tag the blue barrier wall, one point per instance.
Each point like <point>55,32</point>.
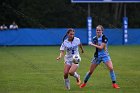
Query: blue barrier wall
<point>134,36</point>
<point>37,36</point>
<point>114,36</point>
<point>54,36</point>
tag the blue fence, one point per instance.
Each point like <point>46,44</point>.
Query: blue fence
<point>54,36</point>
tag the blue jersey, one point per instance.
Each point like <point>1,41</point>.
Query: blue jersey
<point>98,41</point>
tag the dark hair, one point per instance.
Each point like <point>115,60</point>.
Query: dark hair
<point>68,31</point>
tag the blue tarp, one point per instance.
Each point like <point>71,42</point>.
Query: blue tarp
<point>54,36</point>
<point>37,36</point>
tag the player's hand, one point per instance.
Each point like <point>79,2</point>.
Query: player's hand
<point>58,58</point>
<point>82,51</point>
<point>91,44</point>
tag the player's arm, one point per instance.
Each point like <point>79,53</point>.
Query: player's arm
<point>81,47</point>
<point>97,46</point>
<point>103,44</point>
<point>60,55</point>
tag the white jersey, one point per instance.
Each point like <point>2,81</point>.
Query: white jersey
<point>71,48</point>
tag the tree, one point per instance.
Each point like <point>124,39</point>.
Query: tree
<point>63,13</point>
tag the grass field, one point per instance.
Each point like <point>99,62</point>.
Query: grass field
<point>34,69</point>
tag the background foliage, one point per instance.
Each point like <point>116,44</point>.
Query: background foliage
<point>63,13</point>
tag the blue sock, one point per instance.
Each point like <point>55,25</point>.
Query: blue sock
<point>112,75</point>
<point>87,77</point>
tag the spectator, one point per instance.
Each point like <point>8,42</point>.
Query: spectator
<point>3,27</point>
<point>13,26</point>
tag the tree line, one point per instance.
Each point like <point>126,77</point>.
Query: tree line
<point>64,14</point>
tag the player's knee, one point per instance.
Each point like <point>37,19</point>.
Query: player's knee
<point>111,68</point>
<point>71,73</point>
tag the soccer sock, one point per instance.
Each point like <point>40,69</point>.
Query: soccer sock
<point>75,75</point>
<point>113,77</point>
<point>87,77</point>
<point>67,83</point>
<point>66,80</point>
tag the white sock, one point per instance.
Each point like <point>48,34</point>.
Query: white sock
<point>75,75</point>
<point>67,83</point>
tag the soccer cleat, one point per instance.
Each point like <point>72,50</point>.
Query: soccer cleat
<point>115,85</point>
<point>78,81</point>
<point>83,85</point>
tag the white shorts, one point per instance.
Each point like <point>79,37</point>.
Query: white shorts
<point>70,63</point>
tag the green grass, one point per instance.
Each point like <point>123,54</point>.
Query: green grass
<point>34,69</point>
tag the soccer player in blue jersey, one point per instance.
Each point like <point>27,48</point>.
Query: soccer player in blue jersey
<point>70,45</point>
<point>100,42</point>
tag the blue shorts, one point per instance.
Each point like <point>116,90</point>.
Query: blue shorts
<point>98,60</point>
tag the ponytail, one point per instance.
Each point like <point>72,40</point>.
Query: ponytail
<point>64,37</point>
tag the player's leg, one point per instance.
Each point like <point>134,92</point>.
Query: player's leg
<point>66,72</point>
<point>88,74</point>
<point>94,64</point>
<point>73,73</point>
<point>112,73</point>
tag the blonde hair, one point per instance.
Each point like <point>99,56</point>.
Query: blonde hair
<point>100,27</point>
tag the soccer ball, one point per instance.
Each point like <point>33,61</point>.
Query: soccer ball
<point>76,59</point>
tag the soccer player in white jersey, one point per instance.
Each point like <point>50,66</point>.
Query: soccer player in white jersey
<point>70,45</point>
